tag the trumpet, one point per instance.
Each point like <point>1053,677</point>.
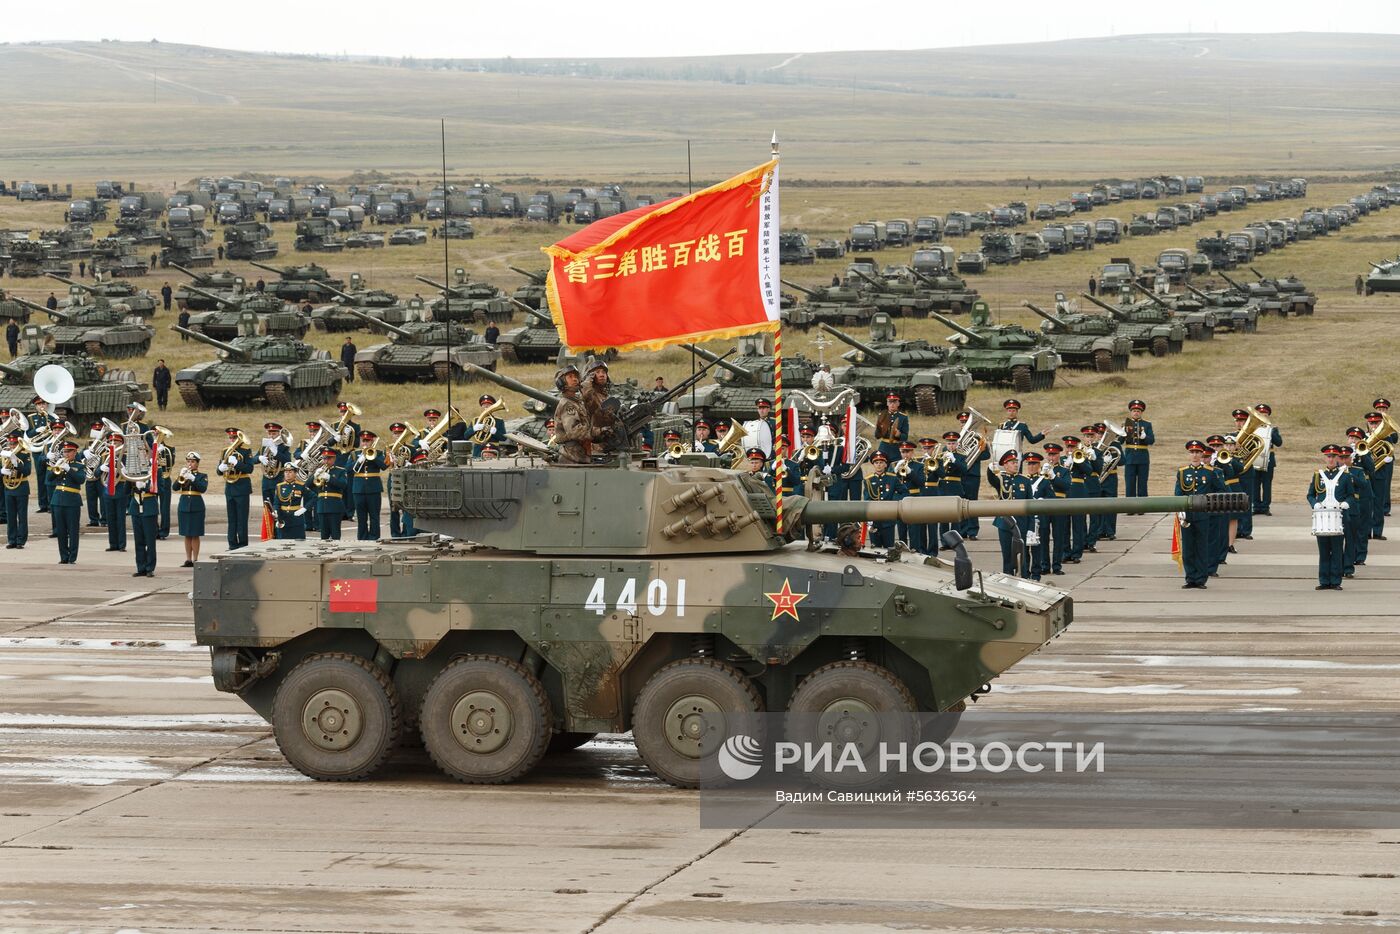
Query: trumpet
<point>811,453</point>
<point>1078,457</point>
<point>675,450</point>
<point>903,468</point>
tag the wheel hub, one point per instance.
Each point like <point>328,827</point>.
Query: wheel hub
<point>332,720</point>
<point>481,722</point>
<point>694,726</point>
<point>849,720</point>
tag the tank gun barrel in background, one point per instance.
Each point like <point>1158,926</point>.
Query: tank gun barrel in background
<point>1053,319</point>
<point>1233,284</point>
<point>538,278</point>
<point>237,353</point>
<point>1379,267</point>
<point>447,290</point>
<point>1257,272</point>
<point>1196,292</point>
<point>535,313</point>
<point>336,292</point>
<point>376,323</point>
<point>506,382</point>
<point>53,312</point>
<point>928,509</point>
<point>274,269</point>
<point>212,296</point>
<point>1116,312</point>
<point>189,272</point>
<point>954,326</point>
<point>709,357</point>
<point>1157,299</point>
<point>810,293</point>
<point>874,355</point>
<point>882,286</point>
<point>67,281</point>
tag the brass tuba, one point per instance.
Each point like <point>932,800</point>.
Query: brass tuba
<point>17,421</point>
<point>972,439</point>
<point>1375,442</point>
<point>1111,455</point>
<point>487,420</point>
<point>401,450</point>
<point>433,442</point>
<point>1253,440</point>
<point>346,445</point>
<point>310,460</point>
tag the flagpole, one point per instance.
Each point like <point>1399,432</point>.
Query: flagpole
<point>778,394</point>
<point>446,280</point>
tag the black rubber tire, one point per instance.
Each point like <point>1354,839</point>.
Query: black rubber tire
<point>926,400</point>
<point>381,719</point>
<point>1103,361</point>
<point>727,687</point>
<point>1021,378</point>
<point>1159,346</point>
<point>567,742</point>
<point>873,692</point>
<point>532,722</point>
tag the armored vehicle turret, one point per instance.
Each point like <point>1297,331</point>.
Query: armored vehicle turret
<point>222,280</point>
<point>836,304</point>
<point>99,329</point>
<point>1200,321</point>
<point>274,316</point>
<point>1003,353</point>
<point>1234,311</point>
<point>249,240</point>
<point>136,301</point>
<point>281,372</point>
<point>895,295</point>
<point>929,379</point>
<point>465,300</point>
<point>423,351</point>
<point>1293,295</point>
<point>377,303</point>
<point>741,380</point>
<point>1085,341</point>
<point>99,391</point>
<point>1151,329</point>
<point>12,309</point>
<point>537,342</point>
<point>1383,277</point>
<point>309,282</point>
<point>945,291</point>
<point>318,235</point>
<point>532,293</point>
<point>545,602</point>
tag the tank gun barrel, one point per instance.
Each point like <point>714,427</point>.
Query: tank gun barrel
<point>810,293</point>
<point>441,287</point>
<point>538,278</point>
<point>12,373</point>
<point>709,357</point>
<point>506,382</point>
<point>1233,284</point>
<point>874,355</point>
<point>535,313</point>
<point>1196,292</point>
<point>1156,299</point>
<point>869,278</point>
<point>1053,319</point>
<point>925,509</point>
<point>1379,267</point>
<point>1116,312</point>
<point>337,292</point>
<point>213,297</point>
<point>1256,272</point>
<point>954,326</point>
<point>189,272</point>
<point>237,353</point>
<point>376,323</point>
<point>32,306</point>
<point>67,281</point>
<point>279,272</point>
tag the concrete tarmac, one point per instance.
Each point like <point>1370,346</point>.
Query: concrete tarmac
<point>135,797</point>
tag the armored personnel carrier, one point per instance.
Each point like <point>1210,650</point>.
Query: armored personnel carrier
<point>423,351</point>
<point>835,304</point>
<point>1003,353</point>
<point>536,606</point>
<point>1383,277</point>
<point>464,300</point>
<point>306,283</point>
<point>744,379</point>
<point>281,372</point>
<point>931,380</point>
<point>139,302</point>
<point>1200,321</point>
<point>1234,310</point>
<point>379,304</point>
<point>275,317</point>
<point>98,329</point>
<point>1085,341</point>
<point>1151,328</point>
<point>98,391</point>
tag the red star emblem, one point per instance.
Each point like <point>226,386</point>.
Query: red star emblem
<point>785,601</point>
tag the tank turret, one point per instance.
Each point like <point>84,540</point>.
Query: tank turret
<point>233,351</point>
<point>740,374</point>
<point>952,325</point>
<point>873,355</point>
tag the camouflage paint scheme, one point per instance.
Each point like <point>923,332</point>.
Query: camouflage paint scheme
<point>930,380</point>
<point>97,390</point>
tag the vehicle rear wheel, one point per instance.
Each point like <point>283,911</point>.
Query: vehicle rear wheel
<point>685,712</point>
<point>926,400</point>
<point>336,717</point>
<point>853,703</point>
<point>1103,361</point>
<point>1021,378</point>
<point>485,720</point>
<point>1159,346</point>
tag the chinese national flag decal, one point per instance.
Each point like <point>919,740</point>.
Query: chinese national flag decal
<point>354,596</point>
<point>696,268</point>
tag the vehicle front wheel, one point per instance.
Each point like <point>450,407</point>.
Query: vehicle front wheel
<point>684,714</point>
<point>485,720</point>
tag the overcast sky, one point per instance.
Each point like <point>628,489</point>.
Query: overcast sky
<point>553,29</point>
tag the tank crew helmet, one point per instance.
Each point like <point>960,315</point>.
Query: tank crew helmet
<point>562,372</point>
<point>595,363</point>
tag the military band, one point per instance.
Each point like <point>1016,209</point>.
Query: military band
<point>16,468</point>
<point>190,485</point>
<point>1330,495</point>
<point>1137,449</point>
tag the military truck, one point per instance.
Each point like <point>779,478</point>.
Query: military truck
<point>899,232</point>
<point>87,210</point>
<point>1108,230</point>
<point>99,392</point>
<point>1033,246</point>
<point>308,282</point>
<point>249,240</point>
<point>1151,328</point>
<point>868,235</point>
<point>842,304</point>
<point>423,351</point>
<point>928,229</point>
<point>1005,353</point>
<point>318,235</point>
<point>280,372</point>
<point>99,328</point>
<point>274,317</point>
<point>466,300</point>
<point>930,380</point>
<point>148,204</point>
<point>742,380</point>
<point>1085,341</point>
<point>795,249</point>
<point>513,623</point>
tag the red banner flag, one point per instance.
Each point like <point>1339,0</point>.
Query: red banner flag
<point>349,596</point>
<point>696,268</point>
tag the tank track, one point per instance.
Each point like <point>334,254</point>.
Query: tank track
<point>365,372</point>
<point>190,395</point>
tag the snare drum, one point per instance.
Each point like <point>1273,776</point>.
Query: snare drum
<point>1003,440</point>
<point>1327,520</point>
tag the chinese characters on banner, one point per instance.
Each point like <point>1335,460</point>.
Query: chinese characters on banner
<point>696,268</point>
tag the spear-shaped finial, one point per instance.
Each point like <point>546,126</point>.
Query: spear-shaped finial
<point>775,144</point>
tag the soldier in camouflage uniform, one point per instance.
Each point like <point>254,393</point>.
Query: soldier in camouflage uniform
<point>573,429</point>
